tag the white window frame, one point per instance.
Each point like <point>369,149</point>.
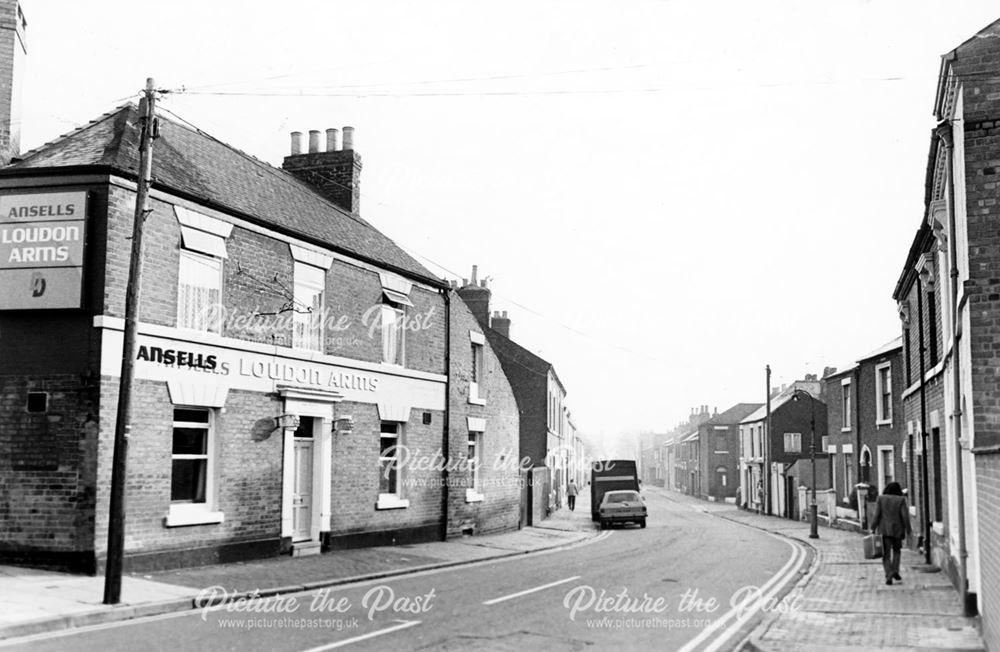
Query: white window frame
<point>307,323</point>
<point>395,499</point>
<point>796,439</point>
<point>204,512</point>
<point>473,494</point>
<point>880,417</point>
<point>880,450</point>
<point>846,404</point>
<point>200,259</point>
<point>478,343</point>
<point>398,316</point>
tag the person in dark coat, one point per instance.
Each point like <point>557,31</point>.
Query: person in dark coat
<point>892,520</point>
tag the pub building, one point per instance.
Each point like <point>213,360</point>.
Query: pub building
<point>288,356</point>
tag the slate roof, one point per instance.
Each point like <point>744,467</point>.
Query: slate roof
<point>896,343</point>
<point>189,162</point>
<point>734,414</point>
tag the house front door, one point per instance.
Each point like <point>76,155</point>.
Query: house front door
<point>302,495</point>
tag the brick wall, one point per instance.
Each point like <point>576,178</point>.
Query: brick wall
<point>46,489</point>
<point>248,472</point>
<point>355,476</point>
<point>988,506</point>
<point>499,475</point>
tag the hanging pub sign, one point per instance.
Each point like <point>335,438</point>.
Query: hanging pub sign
<point>41,250</point>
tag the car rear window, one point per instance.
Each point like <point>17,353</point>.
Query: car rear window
<point>628,497</point>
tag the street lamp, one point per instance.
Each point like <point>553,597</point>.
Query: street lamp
<point>813,514</point>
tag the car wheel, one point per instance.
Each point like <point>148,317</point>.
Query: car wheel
<point>642,522</point>
<point>604,525</point>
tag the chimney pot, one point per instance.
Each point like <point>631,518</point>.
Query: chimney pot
<point>505,314</point>
<point>482,283</point>
<point>348,137</point>
<point>313,141</point>
<point>332,140</point>
<point>296,142</point>
<point>475,270</point>
<point>465,282</point>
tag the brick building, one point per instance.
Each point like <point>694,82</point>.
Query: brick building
<point>868,440</point>
<point>291,370</point>
<point>545,446</point>
<point>950,312</point>
<point>719,452</point>
<point>796,413</point>
<point>485,493</point>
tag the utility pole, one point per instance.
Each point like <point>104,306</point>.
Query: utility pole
<point>123,426</point>
<point>766,445</point>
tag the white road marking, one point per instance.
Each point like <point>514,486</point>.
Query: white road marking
<point>534,590</point>
<point>767,592</point>
<point>403,624</point>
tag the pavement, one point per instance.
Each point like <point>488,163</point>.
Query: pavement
<point>34,601</point>
<point>844,604</point>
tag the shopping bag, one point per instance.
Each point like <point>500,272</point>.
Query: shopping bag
<point>873,546</point>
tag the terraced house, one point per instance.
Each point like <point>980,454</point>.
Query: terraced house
<point>293,362</point>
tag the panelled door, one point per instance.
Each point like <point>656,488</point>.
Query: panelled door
<point>302,494</point>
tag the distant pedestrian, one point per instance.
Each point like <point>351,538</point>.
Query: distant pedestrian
<point>760,497</point>
<point>571,493</point>
<point>892,520</point>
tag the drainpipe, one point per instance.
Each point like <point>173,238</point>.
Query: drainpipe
<point>446,452</point>
<point>945,134</point>
<point>925,502</point>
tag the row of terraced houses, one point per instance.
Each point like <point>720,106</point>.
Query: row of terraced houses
<point>924,408</point>
<point>302,384</point>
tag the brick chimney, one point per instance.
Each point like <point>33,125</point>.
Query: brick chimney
<point>501,323</point>
<point>12,54</point>
<point>334,172</point>
<point>477,296</point>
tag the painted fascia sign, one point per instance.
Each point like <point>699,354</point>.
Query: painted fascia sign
<point>41,250</point>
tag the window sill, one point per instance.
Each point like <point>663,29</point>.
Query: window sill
<point>473,496</point>
<point>391,501</point>
<point>477,401</point>
<point>879,424</point>
<point>846,429</point>
<point>183,516</point>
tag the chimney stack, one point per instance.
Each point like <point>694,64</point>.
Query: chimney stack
<point>476,297</point>
<point>501,323</point>
<point>335,173</point>
<point>12,44</point>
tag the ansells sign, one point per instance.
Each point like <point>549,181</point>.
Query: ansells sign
<point>42,240</point>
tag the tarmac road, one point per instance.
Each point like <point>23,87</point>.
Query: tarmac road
<point>670,586</point>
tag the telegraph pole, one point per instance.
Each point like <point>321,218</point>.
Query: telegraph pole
<point>766,446</point>
<point>123,426</point>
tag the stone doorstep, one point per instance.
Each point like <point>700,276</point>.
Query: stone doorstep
<point>306,548</point>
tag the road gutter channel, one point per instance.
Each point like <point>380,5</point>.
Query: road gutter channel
<point>11,634</point>
<point>748,642</point>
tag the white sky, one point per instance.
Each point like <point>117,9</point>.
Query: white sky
<point>666,195</point>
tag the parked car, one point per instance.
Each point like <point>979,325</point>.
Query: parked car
<point>622,507</point>
<point>610,475</point>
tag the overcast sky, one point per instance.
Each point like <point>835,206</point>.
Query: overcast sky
<point>666,195</point>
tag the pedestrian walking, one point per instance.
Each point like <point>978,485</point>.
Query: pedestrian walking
<point>571,493</point>
<point>892,520</point>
